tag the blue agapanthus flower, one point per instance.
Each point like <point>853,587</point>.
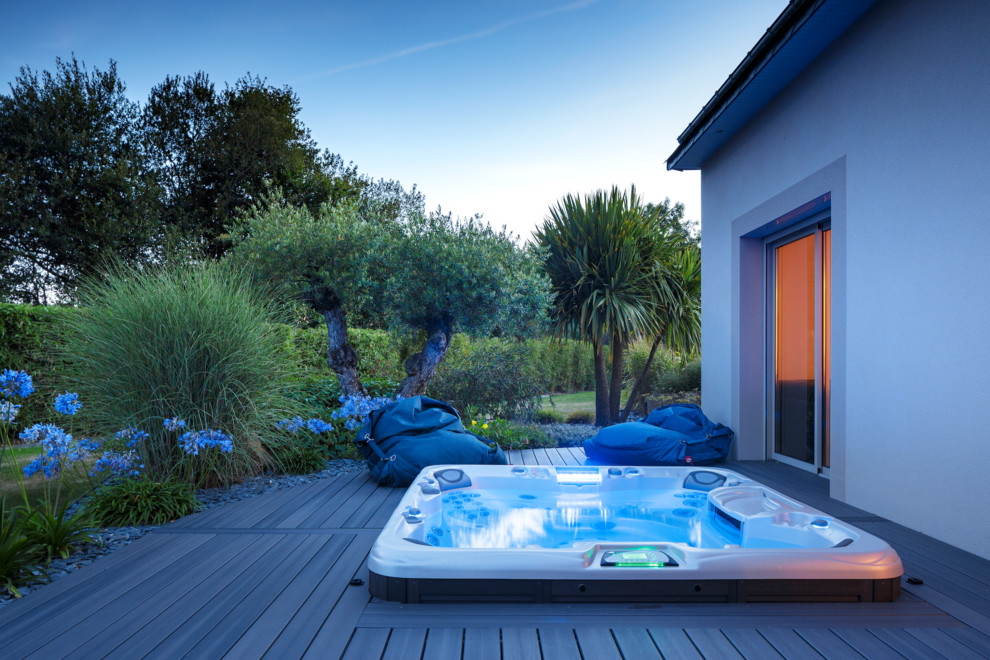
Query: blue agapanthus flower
<point>193,442</point>
<point>317,425</point>
<point>356,407</point>
<point>15,383</point>
<point>174,424</point>
<point>291,425</point>
<point>8,411</point>
<point>122,464</point>
<point>132,436</point>
<point>58,450</point>
<point>68,403</point>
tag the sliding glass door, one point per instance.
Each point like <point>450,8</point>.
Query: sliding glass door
<point>799,342</point>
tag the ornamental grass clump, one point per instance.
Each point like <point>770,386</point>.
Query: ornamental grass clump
<point>192,342</point>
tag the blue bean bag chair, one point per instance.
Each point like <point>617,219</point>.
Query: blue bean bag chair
<point>400,439</point>
<point>678,434</point>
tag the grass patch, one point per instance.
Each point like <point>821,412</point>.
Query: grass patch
<point>75,483</point>
<point>565,404</point>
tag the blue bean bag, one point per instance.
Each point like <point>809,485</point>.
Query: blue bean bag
<point>678,434</point>
<point>400,439</point>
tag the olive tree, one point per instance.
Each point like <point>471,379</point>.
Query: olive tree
<point>431,275</point>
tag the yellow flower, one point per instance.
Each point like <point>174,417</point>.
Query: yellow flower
<point>484,426</point>
<point>474,423</point>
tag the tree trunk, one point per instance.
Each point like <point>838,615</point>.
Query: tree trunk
<point>341,357</point>
<point>639,381</point>
<point>602,417</point>
<point>615,391</point>
<point>420,367</point>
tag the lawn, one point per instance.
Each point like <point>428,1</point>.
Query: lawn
<point>74,484</point>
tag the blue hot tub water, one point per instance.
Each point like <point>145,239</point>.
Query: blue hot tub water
<point>479,518</point>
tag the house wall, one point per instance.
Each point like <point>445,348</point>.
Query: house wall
<point>891,121</point>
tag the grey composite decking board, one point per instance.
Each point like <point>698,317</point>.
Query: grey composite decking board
<point>712,644</point>
<point>288,507</point>
<point>88,621</point>
<point>444,643</point>
<point>366,644</point>
<point>866,644</point>
<point>674,643</point>
<point>635,644</point>
<point>345,507</point>
<point>905,644</point>
<point>324,581</point>
<point>328,641</point>
<point>751,644</point>
<point>380,517</point>
<point>721,615</point>
<point>406,643</point>
<point>316,501</point>
<point>558,643</point>
<point>482,644</point>
<point>788,643</point>
<point>945,644</point>
<point>138,616</point>
<point>259,618</point>
<point>597,643</point>
<point>521,644</point>
<point>827,643</point>
<point>197,609</point>
<point>971,638</point>
<point>17,630</point>
<point>367,509</point>
<point>245,512</point>
<point>324,600</point>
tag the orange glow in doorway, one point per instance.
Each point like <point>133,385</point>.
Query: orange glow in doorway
<point>826,342</point>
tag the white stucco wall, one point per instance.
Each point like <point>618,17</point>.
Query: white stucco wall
<point>892,120</point>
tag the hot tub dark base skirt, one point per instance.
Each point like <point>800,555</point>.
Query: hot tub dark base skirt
<point>414,590</point>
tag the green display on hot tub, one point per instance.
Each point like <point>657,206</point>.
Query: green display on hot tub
<point>637,558</point>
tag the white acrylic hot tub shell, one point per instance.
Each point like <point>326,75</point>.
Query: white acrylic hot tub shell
<point>865,557</point>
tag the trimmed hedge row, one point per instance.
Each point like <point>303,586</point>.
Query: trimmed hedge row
<point>486,369</point>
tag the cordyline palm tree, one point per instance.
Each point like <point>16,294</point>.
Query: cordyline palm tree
<point>609,261</point>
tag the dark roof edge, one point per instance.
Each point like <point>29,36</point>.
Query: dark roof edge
<point>793,16</point>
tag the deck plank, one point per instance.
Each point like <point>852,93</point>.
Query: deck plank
<point>559,644</point>
<point>521,644</point>
<point>712,644</point>
<point>751,644</point>
<point>787,642</point>
<point>366,643</point>
<point>945,644</point>
<point>597,643</point>
<point>674,643</point>
<point>866,644</point>
<point>444,643</point>
<point>482,644</point>
<point>906,644</point>
<point>405,643</point>
<point>827,643</point>
<point>635,644</point>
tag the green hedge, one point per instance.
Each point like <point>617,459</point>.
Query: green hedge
<point>28,336</point>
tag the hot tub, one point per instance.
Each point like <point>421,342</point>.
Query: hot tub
<point>651,534</point>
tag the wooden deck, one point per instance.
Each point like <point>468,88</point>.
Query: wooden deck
<point>270,577</point>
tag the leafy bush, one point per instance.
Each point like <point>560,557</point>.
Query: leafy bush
<point>510,435</point>
<point>18,550</point>
<point>635,359</point>
<point>378,352</point>
<point>581,417</point>
<point>29,339</point>
<point>194,342</point>
<point>548,416</point>
<point>685,376</point>
<point>567,366</point>
<point>133,502</point>
<point>299,457</point>
<point>497,377</point>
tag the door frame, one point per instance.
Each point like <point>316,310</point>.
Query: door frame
<point>814,225</point>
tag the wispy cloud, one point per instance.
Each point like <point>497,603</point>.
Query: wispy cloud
<point>405,52</point>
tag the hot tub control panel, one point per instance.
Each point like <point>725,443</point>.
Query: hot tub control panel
<point>637,558</point>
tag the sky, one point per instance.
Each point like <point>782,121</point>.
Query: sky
<point>498,107</point>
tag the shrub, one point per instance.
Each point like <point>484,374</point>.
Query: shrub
<point>581,417</point>
<point>548,416</point>
<point>379,356</point>
<point>510,435</point>
<point>18,550</point>
<point>194,342</point>
<point>499,378</point>
<point>135,502</point>
<point>299,457</point>
<point>635,359</point>
<point>684,377</point>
